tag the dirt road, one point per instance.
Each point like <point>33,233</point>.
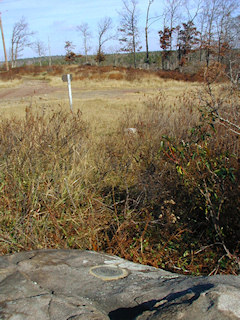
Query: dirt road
<point>26,89</point>
<point>33,88</point>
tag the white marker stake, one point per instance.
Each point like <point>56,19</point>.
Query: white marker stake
<point>69,91</point>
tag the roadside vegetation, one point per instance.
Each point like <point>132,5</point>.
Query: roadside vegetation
<point>164,194</point>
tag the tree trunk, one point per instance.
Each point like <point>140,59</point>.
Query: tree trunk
<point>134,52</point>
<point>146,31</point>
<point>147,53</point>
<point>85,49</point>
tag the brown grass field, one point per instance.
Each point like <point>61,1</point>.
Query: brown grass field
<point>166,195</point>
<point>96,92</point>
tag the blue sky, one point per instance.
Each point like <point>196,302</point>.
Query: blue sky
<point>57,20</point>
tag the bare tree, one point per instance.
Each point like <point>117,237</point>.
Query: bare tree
<point>235,31</point>
<point>192,9</point>
<point>223,26</point>
<point>40,49</point>
<point>104,26</point>
<point>20,39</point>
<point>231,56</point>
<point>172,15</point>
<point>171,19</point>
<point>216,17</point>
<point>201,23</point>
<point>208,18</point>
<point>85,33</point>
<point>150,2</point>
<point>129,28</point>
<point>149,22</point>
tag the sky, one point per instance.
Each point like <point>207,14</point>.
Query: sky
<point>57,20</point>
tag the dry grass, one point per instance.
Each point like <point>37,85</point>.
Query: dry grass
<point>11,84</point>
<point>82,181</point>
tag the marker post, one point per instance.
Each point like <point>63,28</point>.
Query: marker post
<point>67,78</point>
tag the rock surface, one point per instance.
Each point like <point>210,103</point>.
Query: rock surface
<point>82,285</point>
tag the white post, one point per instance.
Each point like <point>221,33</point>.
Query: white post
<point>69,91</point>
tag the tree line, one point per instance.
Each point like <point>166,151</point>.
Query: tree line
<point>211,27</point>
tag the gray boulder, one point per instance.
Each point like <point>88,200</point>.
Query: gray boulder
<point>73,284</point>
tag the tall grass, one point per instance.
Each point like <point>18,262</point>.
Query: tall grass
<point>166,195</point>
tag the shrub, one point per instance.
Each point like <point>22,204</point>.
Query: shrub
<point>179,183</point>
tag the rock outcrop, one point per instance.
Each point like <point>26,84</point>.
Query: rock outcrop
<point>82,285</point>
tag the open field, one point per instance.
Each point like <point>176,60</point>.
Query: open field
<point>166,195</point>
<point>101,97</point>
<point>110,87</point>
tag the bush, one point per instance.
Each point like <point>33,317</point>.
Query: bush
<point>175,181</point>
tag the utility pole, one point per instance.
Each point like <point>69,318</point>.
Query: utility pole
<point>4,48</point>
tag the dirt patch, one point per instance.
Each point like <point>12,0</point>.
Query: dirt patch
<point>28,88</point>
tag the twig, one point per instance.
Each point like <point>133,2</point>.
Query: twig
<point>70,196</point>
<point>205,247</point>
